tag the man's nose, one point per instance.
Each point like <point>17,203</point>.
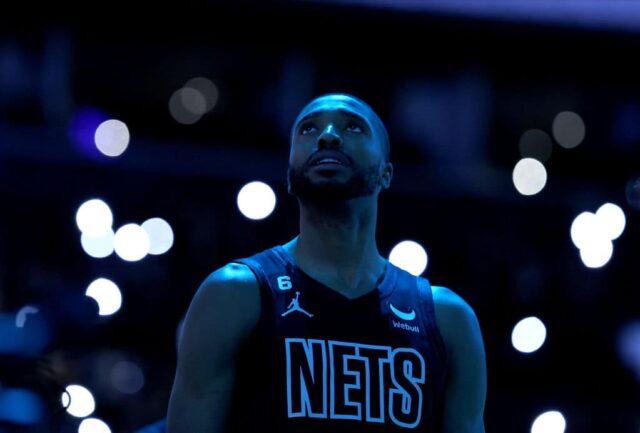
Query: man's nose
<point>329,137</point>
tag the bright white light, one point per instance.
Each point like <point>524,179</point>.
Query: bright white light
<point>568,129</point>
<point>106,294</point>
<point>112,137</point>
<point>131,242</point>
<point>127,377</point>
<point>593,234</point>
<point>612,220</point>
<point>549,422</point>
<point>160,235</point>
<point>78,401</point>
<point>528,335</point>
<point>98,247</point>
<point>94,218</point>
<point>529,176</point>
<point>597,252</point>
<point>585,230</point>
<point>256,200</point>
<point>207,89</point>
<point>410,256</point>
<point>93,425</point>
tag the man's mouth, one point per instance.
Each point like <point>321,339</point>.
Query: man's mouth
<point>329,157</point>
<point>327,161</point>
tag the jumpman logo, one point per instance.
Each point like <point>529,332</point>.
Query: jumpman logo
<point>295,306</point>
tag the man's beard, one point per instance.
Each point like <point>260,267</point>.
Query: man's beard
<point>363,182</point>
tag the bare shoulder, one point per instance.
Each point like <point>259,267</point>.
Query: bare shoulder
<point>453,314</point>
<point>229,299</point>
<point>222,314</point>
<point>234,284</point>
<point>466,384</point>
<point>449,302</point>
<point>232,276</point>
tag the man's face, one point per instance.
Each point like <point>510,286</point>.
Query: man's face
<point>337,152</point>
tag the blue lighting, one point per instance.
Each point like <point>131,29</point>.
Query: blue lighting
<point>20,406</point>
<point>23,334</point>
<point>82,129</point>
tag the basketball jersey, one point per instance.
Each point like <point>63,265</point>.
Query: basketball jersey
<point>318,361</point>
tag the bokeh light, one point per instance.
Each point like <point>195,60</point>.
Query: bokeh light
<point>597,252</point>
<point>528,335</point>
<point>98,247</point>
<point>529,176</point>
<point>160,235</point>
<point>207,89</point>
<point>78,401</point>
<point>25,333</point>
<point>593,233</point>
<point>536,144</point>
<point>127,377</point>
<point>20,406</point>
<point>94,218</point>
<point>82,129</point>
<point>549,422</point>
<point>93,425</point>
<point>193,100</point>
<point>256,200</point>
<point>628,346</point>
<point>568,129</point>
<point>131,242</point>
<point>612,220</point>
<point>410,256</point>
<point>586,230</point>
<point>180,112</point>
<point>107,294</point>
<point>112,137</point>
<point>188,104</point>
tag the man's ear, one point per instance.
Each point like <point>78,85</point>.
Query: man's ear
<point>289,180</point>
<point>387,174</point>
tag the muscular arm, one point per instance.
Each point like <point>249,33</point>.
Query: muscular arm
<point>222,313</point>
<point>466,384</point>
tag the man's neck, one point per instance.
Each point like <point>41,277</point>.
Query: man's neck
<point>338,241</point>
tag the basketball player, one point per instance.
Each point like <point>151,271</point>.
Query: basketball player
<point>323,334</point>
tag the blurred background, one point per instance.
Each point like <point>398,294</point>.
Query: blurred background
<point>142,149</point>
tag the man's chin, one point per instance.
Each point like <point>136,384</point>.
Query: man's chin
<point>324,192</point>
<point>310,189</point>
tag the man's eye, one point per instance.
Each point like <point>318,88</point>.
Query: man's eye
<point>307,128</point>
<point>354,127</point>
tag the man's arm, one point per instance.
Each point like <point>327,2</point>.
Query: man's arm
<point>466,385</point>
<point>222,313</point>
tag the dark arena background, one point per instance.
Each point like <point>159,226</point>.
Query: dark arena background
<point>127,138</point>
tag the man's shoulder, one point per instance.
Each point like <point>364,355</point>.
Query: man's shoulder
<point>229,295</point>
<point>443,297</point>
<point>451,310</point>
<point>159,426</point>
<point>447,298</point>
<point>238,275</point>
<point>231,275</point>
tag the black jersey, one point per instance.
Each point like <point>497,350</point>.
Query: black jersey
<point>318,361</point>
